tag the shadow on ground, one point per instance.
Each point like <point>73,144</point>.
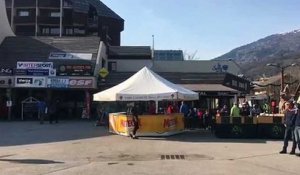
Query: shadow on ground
<point>202,136</point>
<point>31,161</point>
<point>23,133</point>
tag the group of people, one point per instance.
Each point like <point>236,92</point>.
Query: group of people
<point>292,126</point>
<point>196,118</point>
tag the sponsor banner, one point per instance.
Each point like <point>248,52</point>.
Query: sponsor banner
<point>149,125</point>
<point>34,65</point>
<point>58,83</point>
<point>6,71</point>
<point>36,72</point>
<point>75,70</point>
<point>71,56</point>
<point>6,82</point>
<point>82,82</point>
<point>34,82</point>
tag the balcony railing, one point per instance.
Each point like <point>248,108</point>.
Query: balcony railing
<point>48,20</point>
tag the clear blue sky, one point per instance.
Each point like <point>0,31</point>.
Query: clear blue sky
<point>210,27</point>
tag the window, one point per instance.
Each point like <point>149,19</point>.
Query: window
<point>69,31</point>
<point>78,31</point>
<point>45,31</point>
<point>23,13</point>
<point>54,31</point>
<point>112,66</point>
<point>55,14</point>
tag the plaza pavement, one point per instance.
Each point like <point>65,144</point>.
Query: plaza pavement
<point>78,147</point>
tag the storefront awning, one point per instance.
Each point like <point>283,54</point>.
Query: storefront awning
<point>208,87</point>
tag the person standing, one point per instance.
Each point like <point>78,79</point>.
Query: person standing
<point>235,111</point>
<point>42,110</point>
<point>297,129</point>
<point>135,119</point>
<point>289,123</point>
<point>207,120</point>
<point>184,109</point>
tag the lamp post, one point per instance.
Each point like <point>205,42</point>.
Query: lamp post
<point>282,68</point>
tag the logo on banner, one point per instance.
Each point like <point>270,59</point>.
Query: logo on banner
<point>34,65</point>
<point>75,70</point>
<point>70,56</point>
<point>24,81</point>
<point>6,71</point>
<point>58,83</point>
<point>84,83</point>
<point>35,82</point>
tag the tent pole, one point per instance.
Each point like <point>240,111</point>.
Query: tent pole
<point>156,107</point>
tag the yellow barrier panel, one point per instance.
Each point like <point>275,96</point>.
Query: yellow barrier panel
<point>150,125</point>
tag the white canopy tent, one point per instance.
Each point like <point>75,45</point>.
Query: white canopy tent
<point>146,85</point>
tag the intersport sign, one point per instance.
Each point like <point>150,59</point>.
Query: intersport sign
<point>35,65</point>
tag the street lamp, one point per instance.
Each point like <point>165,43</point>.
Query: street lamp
<point>282,68</point>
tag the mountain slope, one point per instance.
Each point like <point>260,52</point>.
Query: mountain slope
<point>279,48</point>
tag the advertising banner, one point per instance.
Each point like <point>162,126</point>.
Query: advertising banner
<point>35,72</point>
<point>34,65</point>
<point>58,83</point>
<point>75,70</point>
<point>150,125</point>
<point>82,82</point>
<point>71,56</point>
<point>31,82</point>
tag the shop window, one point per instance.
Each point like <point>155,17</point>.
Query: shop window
<point>23,13</point>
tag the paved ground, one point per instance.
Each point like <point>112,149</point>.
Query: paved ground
<point>72,148</point>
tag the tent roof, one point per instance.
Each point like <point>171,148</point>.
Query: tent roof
<point>146,85</point>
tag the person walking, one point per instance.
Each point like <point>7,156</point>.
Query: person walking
<point>289,123</point>
<point>135,119</point>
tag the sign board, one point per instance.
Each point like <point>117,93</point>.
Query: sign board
<point>34,65</point>
<point>71,56</point>
<point>36,72</point>
<point>75,70</point>
<point>58,83</point>
<point>103,72</point>
<point>6,71</point>
<point>76,82</point>
<point>33,82</point>
<point>82,82</point>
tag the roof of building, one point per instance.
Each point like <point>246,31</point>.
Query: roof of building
<point>130,51</point>
<point>178,78</point>
<point>103,10</point>
<point>208,87</point>
<point>15,49</point>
